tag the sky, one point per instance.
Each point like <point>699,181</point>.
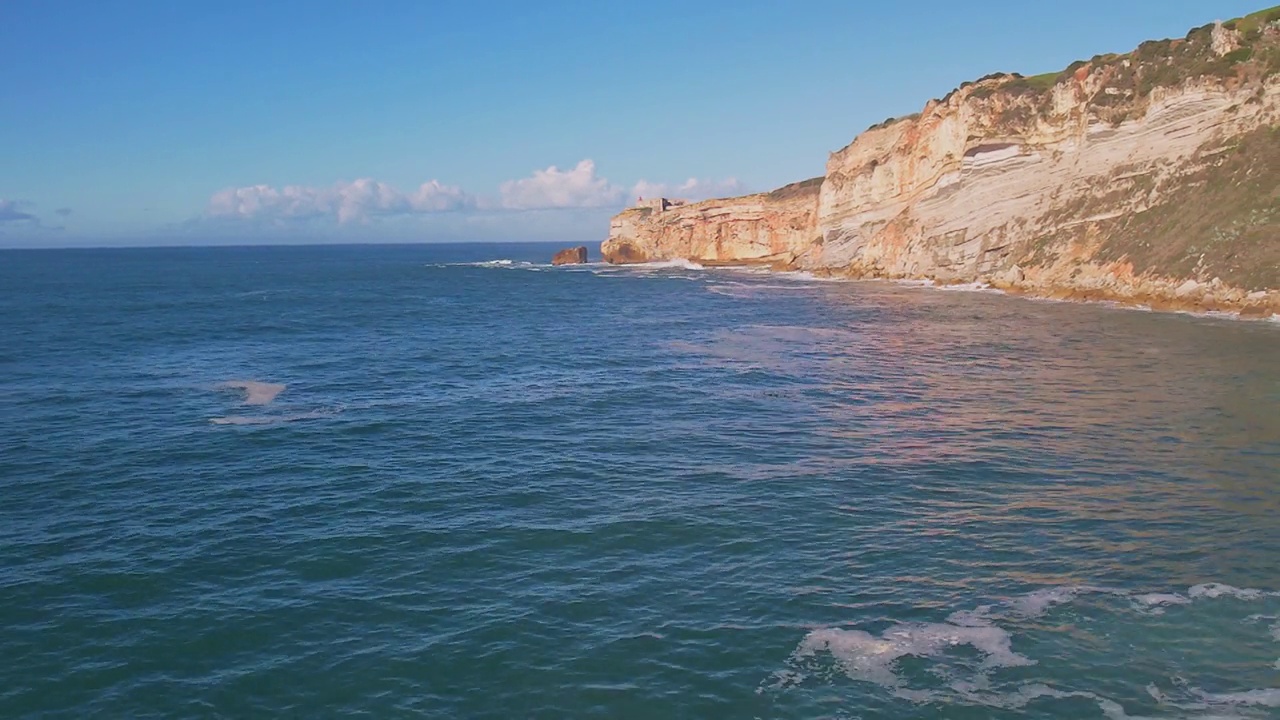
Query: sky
<point>156,122</point>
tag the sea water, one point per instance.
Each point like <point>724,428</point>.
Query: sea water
<point>453,481</point>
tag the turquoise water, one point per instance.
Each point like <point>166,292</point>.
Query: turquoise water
<point>507,490</point>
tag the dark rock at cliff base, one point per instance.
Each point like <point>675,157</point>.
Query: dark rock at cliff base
<point>570,256</point>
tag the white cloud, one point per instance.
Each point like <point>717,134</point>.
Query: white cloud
<point>346,201</point>
<point>556,188</point>
<point>360,201</point>
<point>15,211</point>
<point>691,189</point>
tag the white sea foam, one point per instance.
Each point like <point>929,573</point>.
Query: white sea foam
<point>500,263</point>
<point>980,615</point>
<point>1155,603</point>
<point>1218,590</point>
<point>871,658</point>
<point>970,287</point>
<point>678,263</point>
<point>1038,602</point>
<point>255,392</point>
<point>1267,697</point>
<point>877,659</point>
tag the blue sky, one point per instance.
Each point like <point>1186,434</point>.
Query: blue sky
<point>167,122</point>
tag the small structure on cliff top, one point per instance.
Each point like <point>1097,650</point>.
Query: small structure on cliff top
<point>659,204</point>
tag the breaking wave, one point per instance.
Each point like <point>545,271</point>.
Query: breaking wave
<point>969,287</point>
<point>498,264</point>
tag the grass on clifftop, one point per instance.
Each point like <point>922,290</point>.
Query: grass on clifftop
<point>1158,63</point>
<point>796,189</point>
<point>1252,23</point>
<point>1222,220</point>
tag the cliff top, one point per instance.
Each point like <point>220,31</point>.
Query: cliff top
<point>1243,49</point>
<point>796,190</point>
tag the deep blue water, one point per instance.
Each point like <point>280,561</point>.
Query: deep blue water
<point>507,490</point>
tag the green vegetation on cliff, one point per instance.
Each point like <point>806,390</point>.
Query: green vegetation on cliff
<point>1220,221</point>
<point>1220,218</point>
<point>1249,49</point>
<point>796,189</point>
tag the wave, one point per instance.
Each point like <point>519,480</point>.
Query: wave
<point>255,391</point>
<point>500,263</point>
<point>970,287</point>
<point>967,677</point>
<point>676,264</point>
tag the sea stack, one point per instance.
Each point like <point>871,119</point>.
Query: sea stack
<point>570,256</point>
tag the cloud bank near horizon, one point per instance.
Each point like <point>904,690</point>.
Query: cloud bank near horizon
<point>345,202</point>
<point>362,201</point>
<point>14,211</point>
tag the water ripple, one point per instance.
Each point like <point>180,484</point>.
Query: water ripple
<point>501,488</point>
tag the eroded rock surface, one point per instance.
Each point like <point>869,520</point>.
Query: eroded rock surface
<point>570,256</point>
<point>1150,177</point>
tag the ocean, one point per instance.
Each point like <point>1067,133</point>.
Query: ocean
<point>453,481</point>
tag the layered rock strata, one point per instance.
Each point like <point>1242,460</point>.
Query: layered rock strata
<point>1149,177</point>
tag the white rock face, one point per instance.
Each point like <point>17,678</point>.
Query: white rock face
<point>955,192</point>
<point>1026,184</point>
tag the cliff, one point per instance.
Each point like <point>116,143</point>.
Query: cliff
<point>1149,177</point>
<point>779,227</point>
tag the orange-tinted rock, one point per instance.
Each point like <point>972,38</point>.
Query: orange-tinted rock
<point>622,252</point>
<point>570,256</point>
<point>765,229</point>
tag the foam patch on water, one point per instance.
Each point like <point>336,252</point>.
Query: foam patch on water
<point>1218,590</point>
<point>871,658</point>
<point>806,276</point>
<point>1155,603</point>
<point>500,263</point>
<point>677,264</point>
<point>255,392</point>
<point>1268,697</point>
<point>1037,603</point>
<point>971,287</point>
<point>973,648</point>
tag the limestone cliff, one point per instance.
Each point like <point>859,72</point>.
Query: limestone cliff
<point>1152,176</point>
<point>775,227</point>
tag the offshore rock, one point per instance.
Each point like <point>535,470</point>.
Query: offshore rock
<point>570,256</point>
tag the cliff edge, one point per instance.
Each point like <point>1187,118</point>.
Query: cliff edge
<point>1150,177</point>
